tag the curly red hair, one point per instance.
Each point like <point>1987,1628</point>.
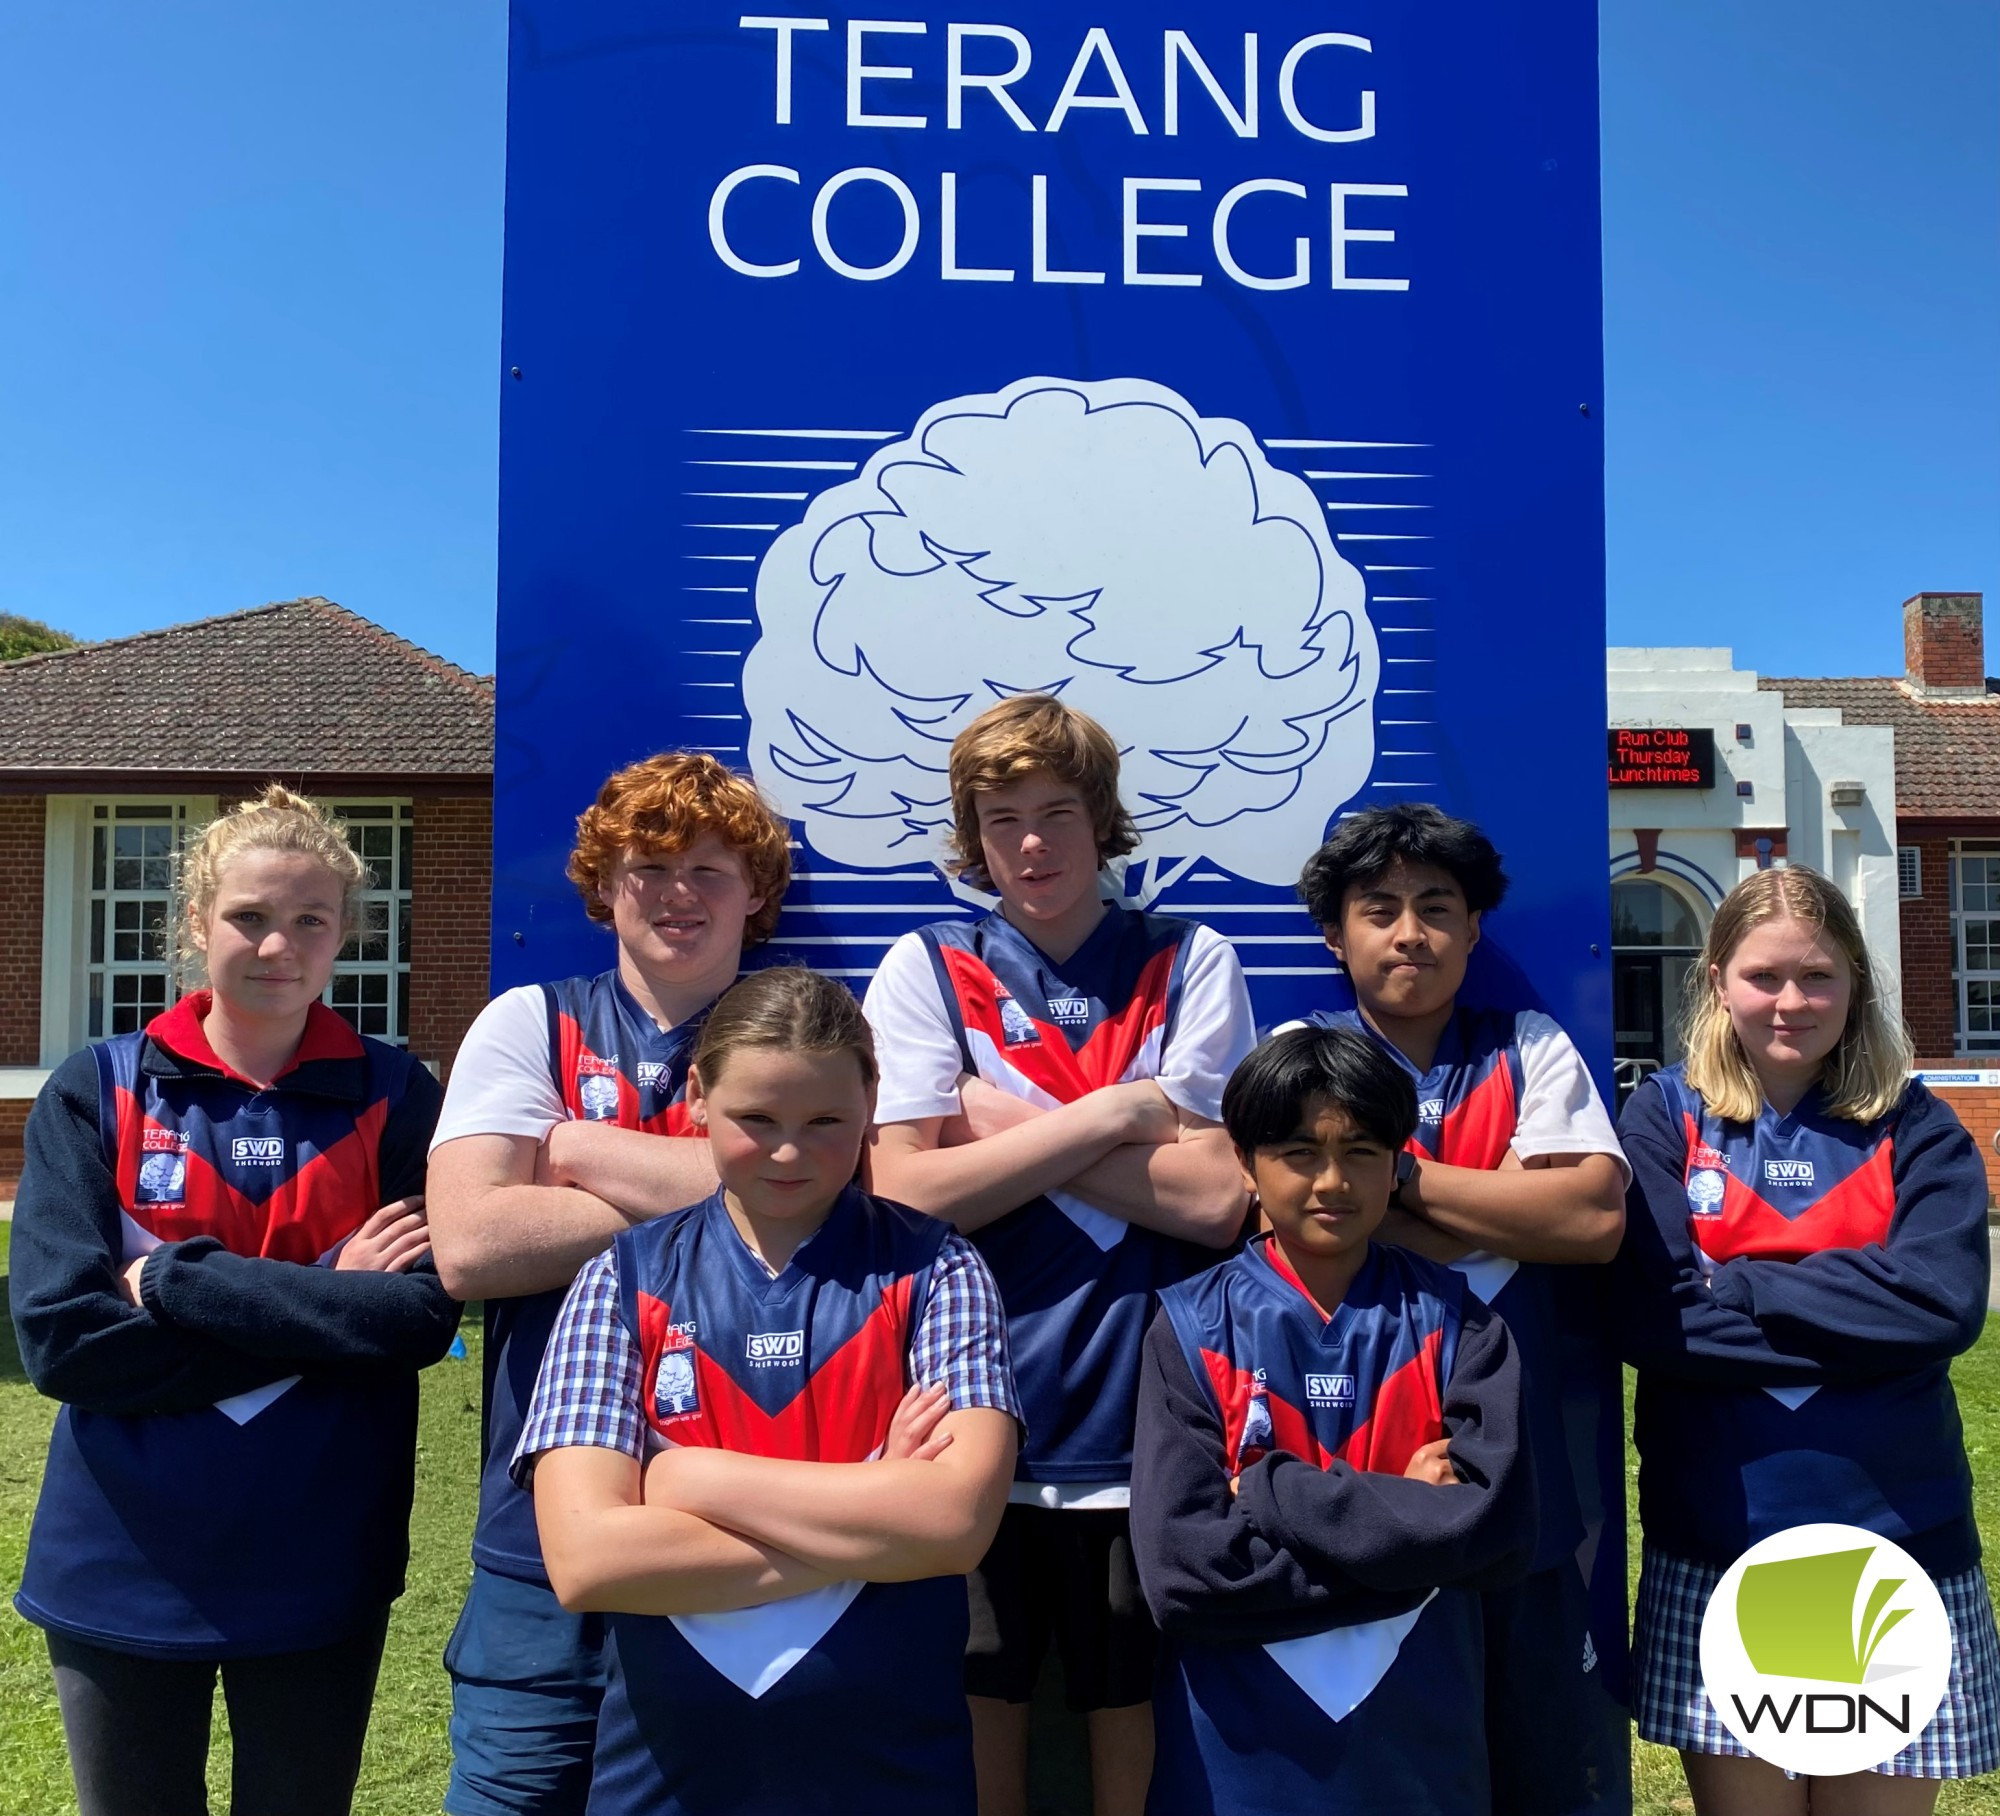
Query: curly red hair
<point>663,805</point>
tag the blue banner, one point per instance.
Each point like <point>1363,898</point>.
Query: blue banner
<point>1237,379</point>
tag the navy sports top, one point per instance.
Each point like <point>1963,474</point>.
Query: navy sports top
<point>612,1063</point>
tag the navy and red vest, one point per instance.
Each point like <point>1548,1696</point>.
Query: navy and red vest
<point>1468,1106</point>
<point>1077,1284</point>
<point>612,1063</point>
<point>1385,1714</point>
<point>278,1520</point>
<point>847,1698</point>
<point>1721,1468</point>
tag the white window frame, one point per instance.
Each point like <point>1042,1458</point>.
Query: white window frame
<point>1909,873</point>
<point>384,979</point>
<point>1964,978</point>
<point>96,962</point>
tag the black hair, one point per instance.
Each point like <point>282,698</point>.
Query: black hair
<point>1265,1100</point>
<point>1364,846</point>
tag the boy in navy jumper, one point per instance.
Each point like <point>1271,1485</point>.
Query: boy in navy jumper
<point>547,1148</point>
<point>772,1432</point>
<point>1329,1465</point>
<point>1051,1080</point>
<point>1513,1177</point>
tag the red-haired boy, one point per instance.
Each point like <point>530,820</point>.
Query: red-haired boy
<point>547,1147</point>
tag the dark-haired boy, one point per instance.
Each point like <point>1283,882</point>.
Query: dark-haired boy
<point>1052,1076</point>
<point>1514,1166</point>
<point>1329,1466</point>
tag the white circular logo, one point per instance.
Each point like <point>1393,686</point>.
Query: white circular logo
<point>1825,1649</point>
<point>1705,1192</point>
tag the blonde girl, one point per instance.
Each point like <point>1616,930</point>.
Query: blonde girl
<point>1806,1251</point>
<point>220,1267</point>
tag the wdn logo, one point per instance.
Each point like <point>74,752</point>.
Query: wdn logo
<point>1330,1390</point>
<point>1070,1011</point>
<point>1825,1650</point>
<point>1788,1172</point>
<point>1431,1110</point>
<point>774,1348</point>
<point>258,1150</point>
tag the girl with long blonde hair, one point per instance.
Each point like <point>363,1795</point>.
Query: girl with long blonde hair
<point>221,1269</point>
<point>1805,1253</point>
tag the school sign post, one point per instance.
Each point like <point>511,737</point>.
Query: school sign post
<point>1232,370</point>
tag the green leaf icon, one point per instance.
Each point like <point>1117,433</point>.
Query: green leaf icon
<point>1796,1616</point>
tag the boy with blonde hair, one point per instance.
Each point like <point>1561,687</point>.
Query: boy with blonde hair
<point>1052,1078</point>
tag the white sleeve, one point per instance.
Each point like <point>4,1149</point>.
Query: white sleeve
<point>1561,1112</point>
<point>1213,1030</point>
<point>500,1081</point>
<point>915,1047</point>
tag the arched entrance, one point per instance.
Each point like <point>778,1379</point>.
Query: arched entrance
<point>1656,936</point>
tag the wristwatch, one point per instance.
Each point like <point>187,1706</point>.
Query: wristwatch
<point>1406,1166</point>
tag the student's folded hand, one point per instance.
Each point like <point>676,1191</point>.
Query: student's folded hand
<point>1432,1463</point>
<point>392,1241</point>
<point>913,1433</point>
<point>985,1110</point>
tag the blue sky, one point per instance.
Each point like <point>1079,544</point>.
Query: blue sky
<point>249,315</point>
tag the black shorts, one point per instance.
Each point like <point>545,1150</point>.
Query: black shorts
<point>1557,1740</point>
<point>1067,1577</point>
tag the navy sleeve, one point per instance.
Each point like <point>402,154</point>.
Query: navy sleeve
<point>310,1316</point>
<point>406,1138</point>
<point>1394,1535</point>
<point>1886,1308</point>
<point>80,1341</point>
<point>1297,1550</point>
<point>1848,1314</point>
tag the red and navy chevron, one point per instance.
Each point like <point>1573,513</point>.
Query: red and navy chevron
<point>808,1366</point>
<point>1469,1101</point>
<point>1365,1388</point>
<point>1782,1188</point>
<point>1077,1286</point>
<point>612,1063</point>
<point>287,1181</point>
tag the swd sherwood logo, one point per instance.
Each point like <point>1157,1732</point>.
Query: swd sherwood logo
<point>1825,1649</point>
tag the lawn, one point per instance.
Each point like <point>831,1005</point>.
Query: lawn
<point>403,1773</point>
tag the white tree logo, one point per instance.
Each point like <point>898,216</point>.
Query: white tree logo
<point>1096,540</point>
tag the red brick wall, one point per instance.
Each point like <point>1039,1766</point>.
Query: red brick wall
<point>13,1119</point>
<point>1930,995</point>
<point>451,916</point>
<point>1978,1108</point>
<point>21,823</point>
<point>1944,640</point>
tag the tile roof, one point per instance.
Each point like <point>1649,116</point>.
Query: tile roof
<point>303,687</point>
<point>1947,750</point>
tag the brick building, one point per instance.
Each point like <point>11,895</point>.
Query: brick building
<point>1944,714</point>
<point>110,752</point>
<point>1888,783</point>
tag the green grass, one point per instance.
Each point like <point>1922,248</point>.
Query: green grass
<point>1657,1784</point>
<point>403,1773</point>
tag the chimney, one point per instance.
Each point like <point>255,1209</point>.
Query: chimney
<point>1944,643</point>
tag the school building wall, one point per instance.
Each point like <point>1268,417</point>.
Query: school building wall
<point>451,879</point>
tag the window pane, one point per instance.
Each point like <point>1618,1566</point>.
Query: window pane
<point>1649,914</point>
<point>403,840</point>
<point>96,1020</point>
<point>403,932</point>
<point>97,930</point>
<point>97,834</point>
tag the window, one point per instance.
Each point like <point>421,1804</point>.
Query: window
<point>1909,871</point>
<point>1975,921</point>
<point>371,979</point>
<point>129,973</point>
